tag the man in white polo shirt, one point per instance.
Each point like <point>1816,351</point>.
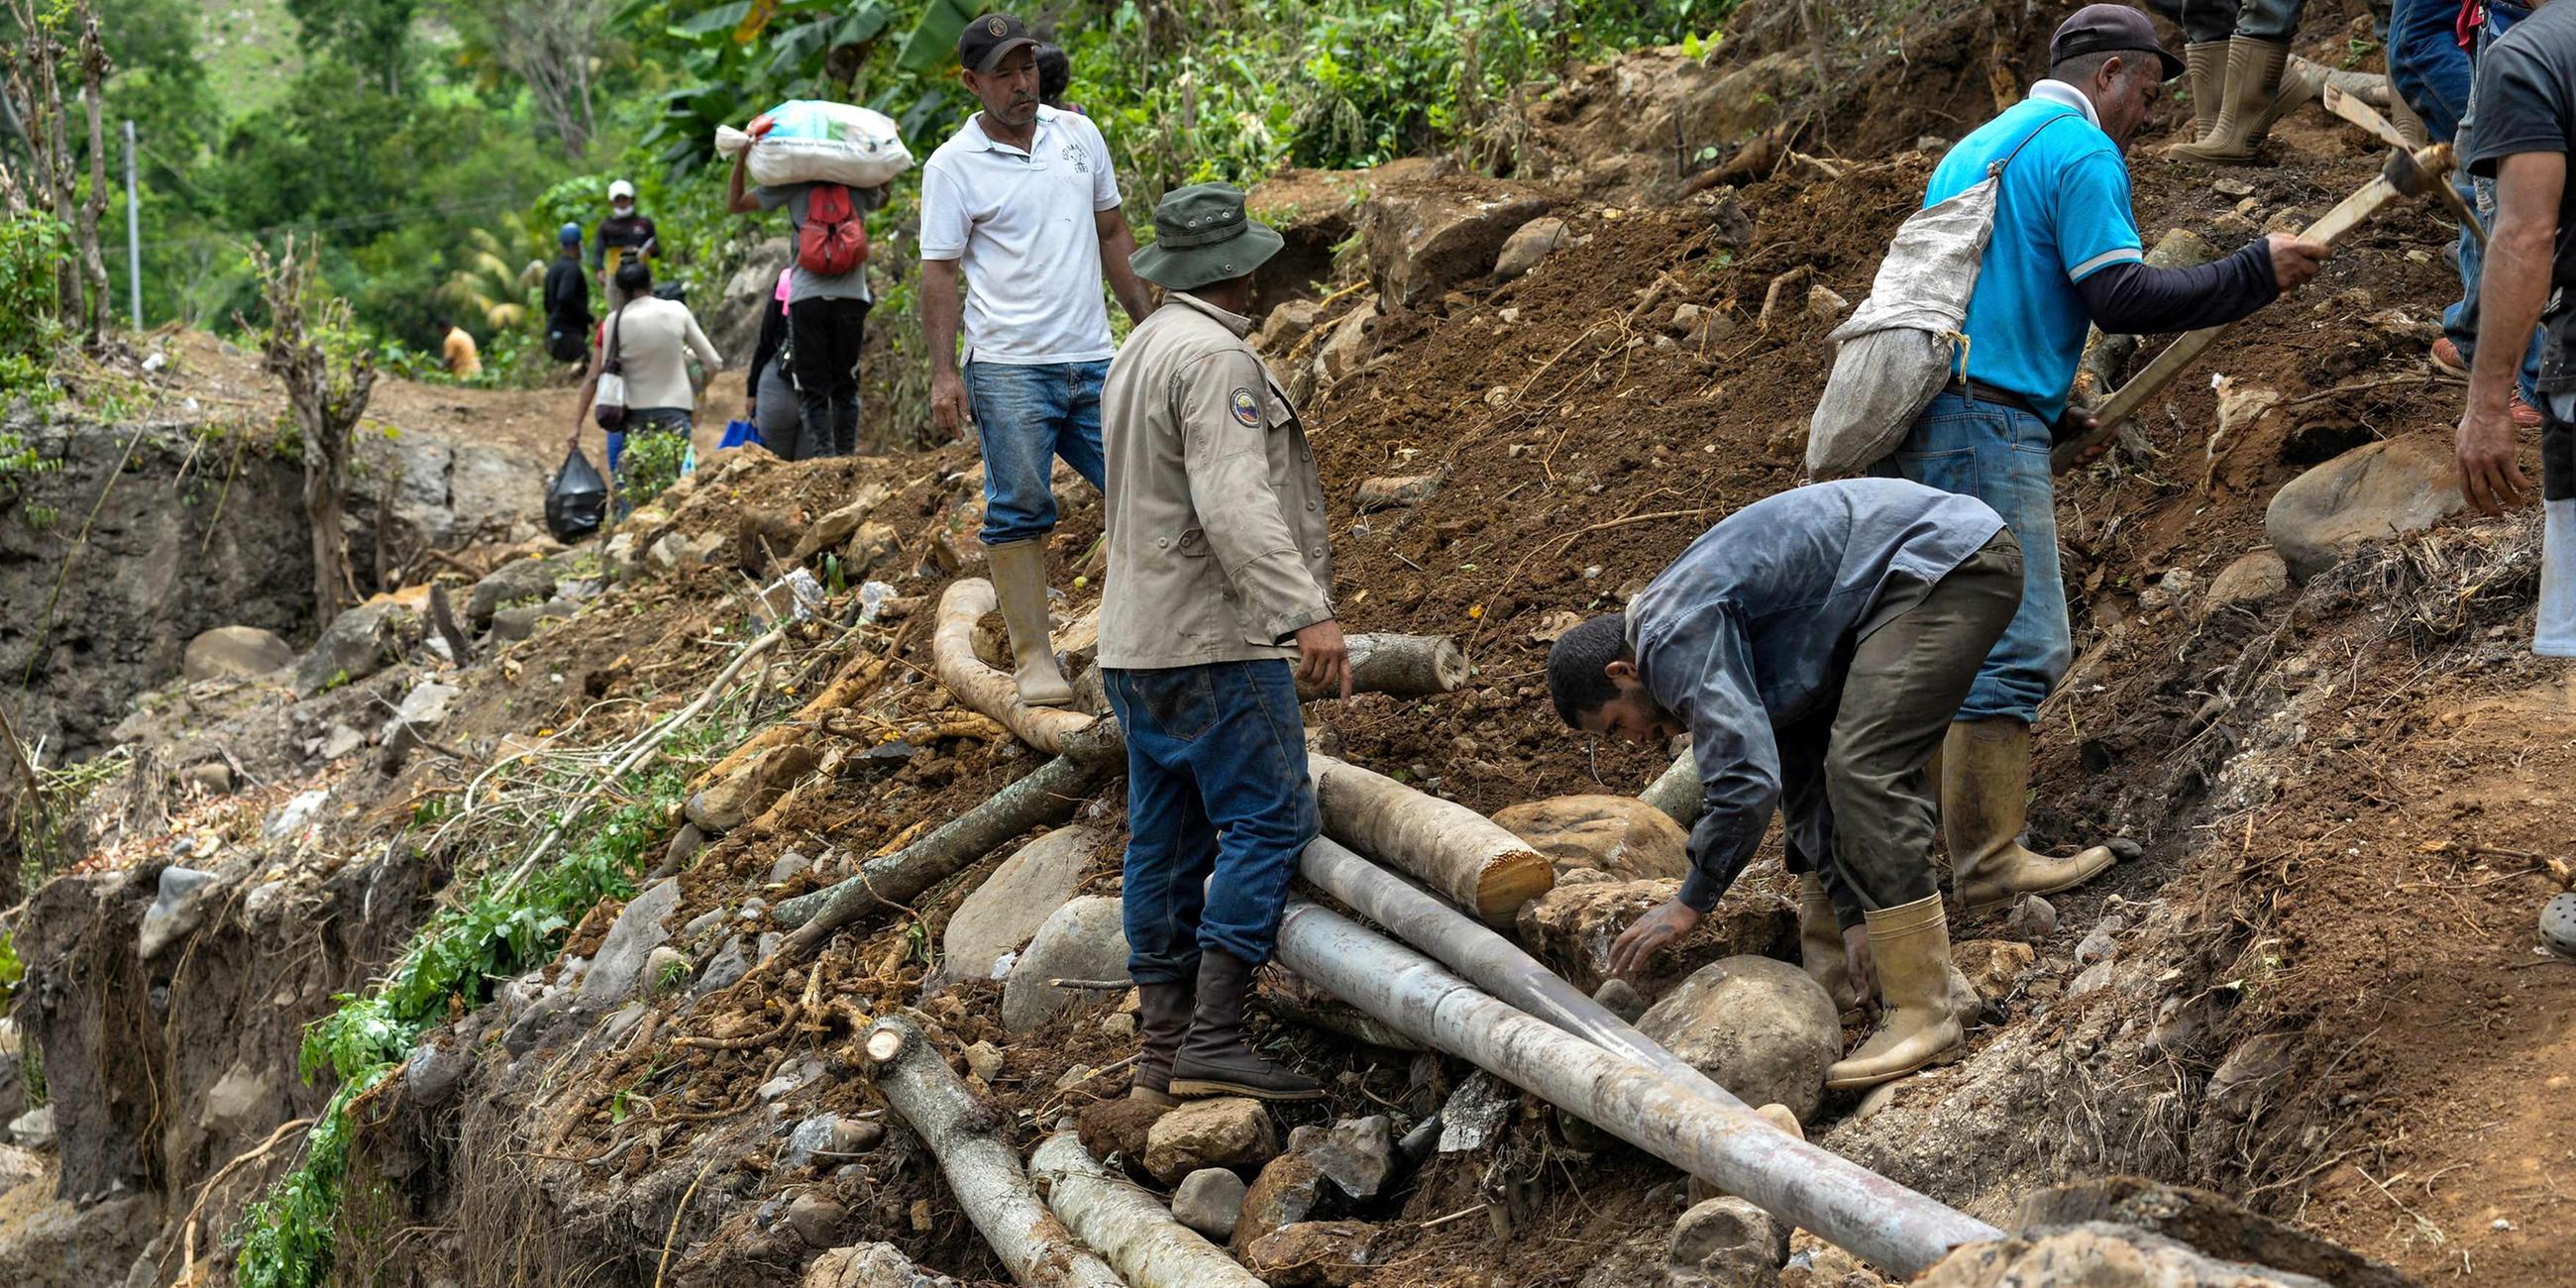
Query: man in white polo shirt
<point>1023,207</point>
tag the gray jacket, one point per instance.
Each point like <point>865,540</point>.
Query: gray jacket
<point>1217,550</point>
<point>1754,626</point>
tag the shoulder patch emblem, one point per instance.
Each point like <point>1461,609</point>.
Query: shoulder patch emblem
<point>1247,409</point>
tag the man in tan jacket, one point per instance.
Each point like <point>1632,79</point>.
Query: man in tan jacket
<point>1218,576</point>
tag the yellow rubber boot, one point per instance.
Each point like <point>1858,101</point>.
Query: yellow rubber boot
<point>1820,943</point>
<point>1985,801</point>
<point>1019,581</point>
<point>1918,1021</point>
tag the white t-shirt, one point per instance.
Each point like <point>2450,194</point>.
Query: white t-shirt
<point>1020,225</point>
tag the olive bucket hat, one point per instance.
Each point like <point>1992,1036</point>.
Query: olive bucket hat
<point>1201,235</point>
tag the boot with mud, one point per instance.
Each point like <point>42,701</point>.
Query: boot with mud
<point>1213,1060</point>
<point>2205,73</point>
<point>1985,800</point>
<point>2246,109</point>
<point>1162,1020</point>
<point>1019,580</point>
<point>1820,943</point>
<point>1918,1020</point>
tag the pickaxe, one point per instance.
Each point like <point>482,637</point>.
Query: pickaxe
<point>2351,108</point>
<point>2407,174</point>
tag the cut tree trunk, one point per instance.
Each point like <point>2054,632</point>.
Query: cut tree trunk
<point>982,1172</point>
<point>1676,790</point>
<point>982,688</point>
<point>1130,1228</point>
<point>1869,1215</point>
<point>1457,851</point>
<point>1047,796</point>
<point>1494,963</point>
<point>1407,666</point>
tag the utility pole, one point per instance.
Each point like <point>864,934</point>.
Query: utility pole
<point>133,230</point>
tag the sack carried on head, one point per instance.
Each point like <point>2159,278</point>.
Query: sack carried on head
<point>812,141</point>
<point>1902,344</point>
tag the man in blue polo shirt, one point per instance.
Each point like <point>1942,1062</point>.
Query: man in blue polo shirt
<point>2065,254</point>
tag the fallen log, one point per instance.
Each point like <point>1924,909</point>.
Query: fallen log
<point>982,1172</point>
<point>1492,962</point>
<point>1045,797</point>
<point>1676,791</point>
<point>1131,1229</point>
<point>1407,666</point>
<point>1453,849</point>
<point>983,688</point>
<point>1870,1216</point>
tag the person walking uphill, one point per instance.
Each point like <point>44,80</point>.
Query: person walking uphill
<point>1019,221</point>
<point>567,300</point>
<point>1218,573</point>
<point>1814,645</point>
<point>626,236</point>
<point>827,310</point>
<point>2065,253</point>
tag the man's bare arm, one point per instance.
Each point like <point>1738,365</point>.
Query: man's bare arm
<point>737,198</point>
<point>2511,293</point>
<point>941,306</point>
<point>1117,243</point>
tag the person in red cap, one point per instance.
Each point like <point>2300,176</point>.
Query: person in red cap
<point>1020,220</point>
<point>2065,255</point>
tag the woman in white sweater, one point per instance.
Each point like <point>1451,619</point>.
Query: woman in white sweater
<point>650,339</point>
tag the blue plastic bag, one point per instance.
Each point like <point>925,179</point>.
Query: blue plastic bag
<point>740,433</point>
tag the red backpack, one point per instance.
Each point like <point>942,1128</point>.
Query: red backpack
<point>833,240</point>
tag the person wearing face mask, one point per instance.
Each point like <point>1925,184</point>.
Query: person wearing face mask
<point>624,236</point>
<point>1020,220</point>
<point>2065,255</point>
<point>1814,645</point>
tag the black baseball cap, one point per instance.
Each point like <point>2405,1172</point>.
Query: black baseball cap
<point>2110,28</point>
<point>988,38</point>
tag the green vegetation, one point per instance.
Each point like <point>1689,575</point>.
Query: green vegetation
<point>651,464</point>
<point>497,932</point>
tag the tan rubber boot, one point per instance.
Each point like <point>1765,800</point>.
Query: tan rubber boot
<point>1820,943</point>
<point>2253,83</point>
<point>2410,127</point>
<point>1918,1014</point>
<point>2302,82</point>
<point>1985,800</point>
<point>2205,75</point>
<point>1019,579</point>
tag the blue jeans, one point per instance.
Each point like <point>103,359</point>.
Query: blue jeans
<point>1999,455</point>
<point>1216,784</point>
<point>1024,418</point>
<point>2460,321</point>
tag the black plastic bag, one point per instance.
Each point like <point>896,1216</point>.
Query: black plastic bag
<point>576,499</point>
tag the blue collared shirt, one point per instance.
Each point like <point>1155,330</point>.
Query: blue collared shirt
<point>1755,625</point>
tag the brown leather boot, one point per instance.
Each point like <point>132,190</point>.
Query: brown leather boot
<point>1985,800</point>
<point>1213,1060</point>
<point>1162,1020</point>
<point>1919,1021</point>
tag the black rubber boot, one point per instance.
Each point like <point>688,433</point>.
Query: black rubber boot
<point>1162,1019</point>
<point>1213,1059</point>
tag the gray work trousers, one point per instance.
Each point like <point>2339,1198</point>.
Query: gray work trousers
<point>1852,784</point>
<point>2204,21</point>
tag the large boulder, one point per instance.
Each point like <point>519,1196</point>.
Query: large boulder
<point>1619,835</point>
<point>1426,236</point>
<point>1571,927</point>
<point>630,943</point>
<point>518,581</point>
<point>235,653</point>
<point>2371,493</point>
<point>358,643</point>
<point>1222,1131</point>
<point>1005,912</point>
<point>1084,939</point>
<point>1761,1028</point>
<point>734,324</point>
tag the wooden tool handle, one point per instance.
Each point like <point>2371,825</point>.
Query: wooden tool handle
<point>2331,228</point>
